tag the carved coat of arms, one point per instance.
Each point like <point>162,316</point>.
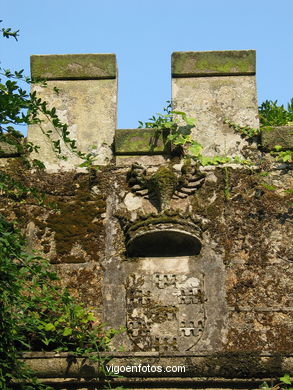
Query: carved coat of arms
<point>165,312</point>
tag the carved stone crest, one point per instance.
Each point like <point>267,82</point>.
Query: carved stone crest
<point>165,312</point>
<point>164,184</point>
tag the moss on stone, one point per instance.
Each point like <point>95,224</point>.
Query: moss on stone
<point>188,64</point>
<point>239,365</point>
<point>162,185</point>
<point>77,222</point>
<point>140,141</point>
<point>73,66</point>
<point>277,135</point>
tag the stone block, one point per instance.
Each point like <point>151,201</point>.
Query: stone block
<point>215,95</point>
<point>148,160</point>
<point>74,66</point>
<point>140,141</point>
<point>8,150</point>
<point>86,102</point>
<point>213,63</point>
<point>277,135</point>
<point>152,370</point>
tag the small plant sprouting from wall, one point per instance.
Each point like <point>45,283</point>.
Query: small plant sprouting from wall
<point>284,384</point>
<point>270,114</point>
<point>179,126</point>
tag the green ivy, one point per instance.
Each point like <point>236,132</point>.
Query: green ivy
<point>36,314</point>
<point>179,126</point>
<point>284,384</point>
<point>246,131</point>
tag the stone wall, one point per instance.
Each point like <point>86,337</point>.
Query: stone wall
<point>195,262</point>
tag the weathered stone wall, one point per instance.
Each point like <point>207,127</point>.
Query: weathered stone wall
<point>195,262</point>
<point>244,268</point>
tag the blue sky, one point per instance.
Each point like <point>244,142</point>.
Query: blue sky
<point>143,34</point>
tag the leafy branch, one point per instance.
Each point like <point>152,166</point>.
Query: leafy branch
<point>179,126</point>
<point>272,114</point>
<point>7,33</point>
<point>19,107</point>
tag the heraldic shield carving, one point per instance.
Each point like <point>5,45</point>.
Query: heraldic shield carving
<point>165,312</point>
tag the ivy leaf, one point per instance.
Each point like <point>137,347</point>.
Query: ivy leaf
<point>286,379</point>
<point>181,113</point>
<point>195,149</point>
<point>277,147</point>
<point>49,327</point>
<point>67,331</point>
<point>90,317</point>
<point>190,121</point>
<point>168,125</point>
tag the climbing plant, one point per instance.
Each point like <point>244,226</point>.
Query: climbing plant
<point>179,127</point>
<point>36,314</point>
<point>19,107</point>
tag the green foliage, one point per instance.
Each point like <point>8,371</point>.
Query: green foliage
<point>35,313</point>
<point>272,114</point>
<point>283,155</point>
<point>284,384</point>
<point>18,107</point>
<point>246,131</point>
<point>7,33</point>
<point>179,126</point>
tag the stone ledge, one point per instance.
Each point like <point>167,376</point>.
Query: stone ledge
<point>144,383</point>
<point>74,66</point>
<point>140,142</point>
<point>213,63</point>
<point>225,365</point>
<point>277,135</point>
